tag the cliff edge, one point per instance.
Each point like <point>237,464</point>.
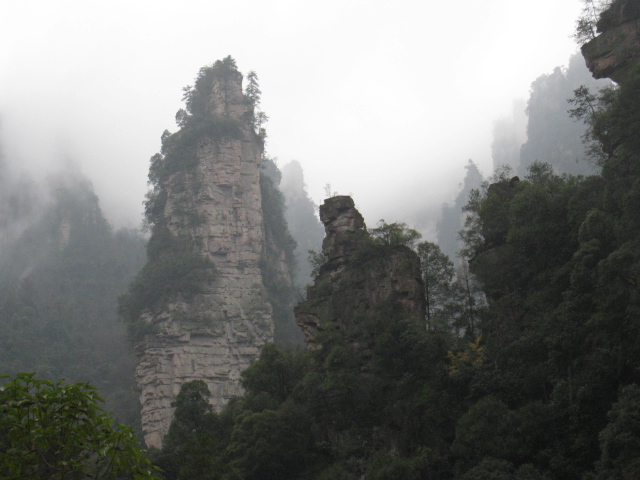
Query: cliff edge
<point>617,47</point>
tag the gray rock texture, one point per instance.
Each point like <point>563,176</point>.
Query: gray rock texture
<point>214,336</point>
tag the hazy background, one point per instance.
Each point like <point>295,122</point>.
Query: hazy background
<point>383,100</point>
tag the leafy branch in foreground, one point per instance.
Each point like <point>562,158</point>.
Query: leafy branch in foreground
<point>54,431</point>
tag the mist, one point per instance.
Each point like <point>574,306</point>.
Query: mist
<point>383,102</point>
<point>516,316</point>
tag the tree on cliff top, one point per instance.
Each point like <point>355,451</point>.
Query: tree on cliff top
<point>586,23</point>
<point>253,93</point>
<point>397,233</point>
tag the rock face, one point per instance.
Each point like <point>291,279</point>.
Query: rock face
<point>357,277</point>
<point>617,48</point>
<point>217,333</point>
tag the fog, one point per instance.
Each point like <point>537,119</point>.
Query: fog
<point>385,101</point>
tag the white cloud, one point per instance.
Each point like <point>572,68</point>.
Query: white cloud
<point>381,99</point>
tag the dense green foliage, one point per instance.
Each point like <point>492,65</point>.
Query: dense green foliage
<point>320,415</point>
<point>558,259</point>
<point>51,431</point>
<point>190,450</point>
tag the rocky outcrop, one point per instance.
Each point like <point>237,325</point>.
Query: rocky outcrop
<point>217,205</point>
<point>617,47</point>
<point>357,277</point>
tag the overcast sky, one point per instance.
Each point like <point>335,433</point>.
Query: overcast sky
<point>384,100</point>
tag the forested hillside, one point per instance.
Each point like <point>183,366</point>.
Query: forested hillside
<point>542,131</point>
<point>62,268</point>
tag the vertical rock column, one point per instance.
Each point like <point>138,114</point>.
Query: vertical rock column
<point>217,334</point>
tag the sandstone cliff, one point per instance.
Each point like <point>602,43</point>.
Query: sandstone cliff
<point>214,317</point>
<point>357,277</point>
<point>617,47</point>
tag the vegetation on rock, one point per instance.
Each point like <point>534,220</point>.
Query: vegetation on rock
<point>317,415</point>
<point>179,150</point>
<point>173,271</point>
